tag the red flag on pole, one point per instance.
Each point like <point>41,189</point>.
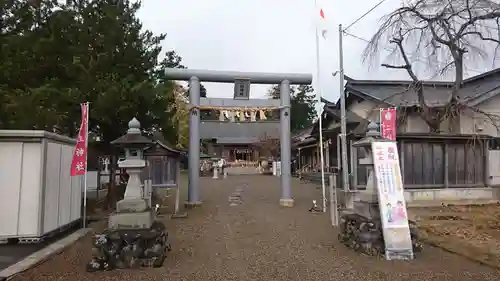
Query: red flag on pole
<point>322,23</point>
<point>388,123</point>
<point>79,162</point>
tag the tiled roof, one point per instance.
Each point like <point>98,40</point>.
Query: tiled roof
<point>436,93</point>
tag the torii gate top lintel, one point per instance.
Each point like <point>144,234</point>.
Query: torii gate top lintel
<point>231,76</point>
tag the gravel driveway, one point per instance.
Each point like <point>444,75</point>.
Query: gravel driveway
<point>258,240</point>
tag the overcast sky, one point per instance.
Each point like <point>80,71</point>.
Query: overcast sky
<point>268,36</point>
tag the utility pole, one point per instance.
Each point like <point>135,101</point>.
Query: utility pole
<point>343,122</point>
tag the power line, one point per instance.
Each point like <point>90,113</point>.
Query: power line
<point>391,50</point>
<point>364,15</point>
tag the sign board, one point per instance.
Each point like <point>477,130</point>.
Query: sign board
<point>388,123</point>
<point>392,203</point>
<point>277,168</point>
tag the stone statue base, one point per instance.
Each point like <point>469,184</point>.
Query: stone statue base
<point>368,209</point>
<point>133,239</point>
<point>131,205</point>
<point>130,248</point>
<point>192,204</point>
<point>140,220</point>
<point>361,230</point>
<point>286,202</point>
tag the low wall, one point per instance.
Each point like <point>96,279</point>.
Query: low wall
<point>435,197</point>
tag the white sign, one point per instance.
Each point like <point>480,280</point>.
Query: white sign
<point>277,168</point>
<point>392,203</point>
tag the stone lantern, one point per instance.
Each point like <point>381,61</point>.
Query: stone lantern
<point>367,200</point>
<point>133,237</point>
<point>133,142</point>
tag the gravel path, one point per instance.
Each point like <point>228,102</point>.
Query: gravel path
<point>258,240</point>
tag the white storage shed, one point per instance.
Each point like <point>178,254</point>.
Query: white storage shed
<point>37,194</point>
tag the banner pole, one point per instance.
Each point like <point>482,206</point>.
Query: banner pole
<point>86,169</point>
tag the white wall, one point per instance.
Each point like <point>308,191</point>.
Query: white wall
<point>366,109</point>
<point>413,123</point>
<point>20,188</point>
<point>476,122</point>
<point>63,193</point>
<point>37,194</point>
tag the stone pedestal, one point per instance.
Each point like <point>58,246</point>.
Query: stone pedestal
<point>286,202</point>
<point>216,173</point>
<point>367,209</point>
<point>131,205</point>
<point>135,220</point>
<point>133,212</point>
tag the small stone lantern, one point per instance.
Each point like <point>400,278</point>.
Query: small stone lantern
<point>133,142</point>
<point>367,200</point>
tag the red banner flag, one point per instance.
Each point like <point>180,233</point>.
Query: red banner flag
<point>388,123</point>
<point>322,23</point>
<point>79,162</point>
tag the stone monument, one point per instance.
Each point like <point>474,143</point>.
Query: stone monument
<point>361,227</point>
<point>133,237</point>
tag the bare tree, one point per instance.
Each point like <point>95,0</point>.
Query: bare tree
<point>268,146</point>
<point>443,35</point>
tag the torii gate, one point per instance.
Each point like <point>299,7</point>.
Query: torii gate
<point>242,81</point>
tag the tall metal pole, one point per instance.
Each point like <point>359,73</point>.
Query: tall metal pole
<point>87,105</point>
<point>320,121</point>
<point>343,125</point>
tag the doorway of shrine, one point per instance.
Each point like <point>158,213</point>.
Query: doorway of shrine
<point>241,154</point>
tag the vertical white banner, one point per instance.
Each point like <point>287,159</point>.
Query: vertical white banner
<point>392,203</point>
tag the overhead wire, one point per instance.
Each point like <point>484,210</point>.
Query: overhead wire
<point>364,15</point>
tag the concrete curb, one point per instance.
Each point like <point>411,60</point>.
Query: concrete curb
<point>42,254</point>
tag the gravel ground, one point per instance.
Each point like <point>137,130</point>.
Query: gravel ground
<point>258,240</point>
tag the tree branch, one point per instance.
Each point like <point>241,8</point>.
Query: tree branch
<point>395,66</point>
<point>430,25</point>
<point>480,35</point>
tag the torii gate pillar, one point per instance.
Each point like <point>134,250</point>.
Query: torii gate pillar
<point>194,144</point>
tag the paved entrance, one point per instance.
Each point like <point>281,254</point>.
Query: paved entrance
<point>259,240</point>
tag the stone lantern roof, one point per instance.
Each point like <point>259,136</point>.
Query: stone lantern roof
<point>372,135</point>
<point>133,137</point>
